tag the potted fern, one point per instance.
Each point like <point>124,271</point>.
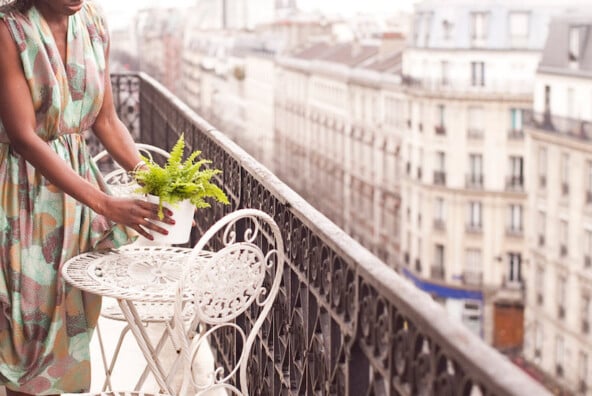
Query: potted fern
<point>180,185</point>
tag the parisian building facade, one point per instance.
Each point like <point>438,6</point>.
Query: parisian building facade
<point>558,302</point>
<point>435,151</point>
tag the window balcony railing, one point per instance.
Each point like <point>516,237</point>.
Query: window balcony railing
<point>472,277</point>
<point>561,312</point>
<point>474,181</point>
<point>475,133</point>
<point>437,272</point>
<point>440,130</point>
<point>474,228</point>
<point>344,323</point>
<point>468,86</point>
<point>515,183</point>
<point>588,197</point>
<point>515,231</point>
<point>570,127</point>
<point>440,178</point>
<point>439,224</point>
<point>515,134</point>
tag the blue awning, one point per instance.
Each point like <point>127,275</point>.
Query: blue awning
<point>443,291</point>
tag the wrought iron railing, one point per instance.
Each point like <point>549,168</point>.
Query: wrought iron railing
<point>345,323</point>
<point>570,127</point>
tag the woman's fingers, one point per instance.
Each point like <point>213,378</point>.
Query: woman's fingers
<point>143,232</point>
<point>149,219</point>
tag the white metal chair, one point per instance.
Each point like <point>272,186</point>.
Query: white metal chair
<point>121,184</point>
<point>245,268</point>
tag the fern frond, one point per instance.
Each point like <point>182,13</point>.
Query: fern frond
<point>181,179</point>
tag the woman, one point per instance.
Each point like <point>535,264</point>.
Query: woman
<point>54,85</point>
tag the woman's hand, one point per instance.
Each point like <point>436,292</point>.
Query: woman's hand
<point>137,214</point>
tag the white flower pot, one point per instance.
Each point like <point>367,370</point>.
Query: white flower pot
<point>179,232</point>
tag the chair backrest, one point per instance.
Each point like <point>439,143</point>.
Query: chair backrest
<point>236,265</point>
<point>118,180</point>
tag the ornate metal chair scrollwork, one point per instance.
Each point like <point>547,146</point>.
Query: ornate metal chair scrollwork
<point>226,298</point>
<point>234,294</point>
<point>121,184</point>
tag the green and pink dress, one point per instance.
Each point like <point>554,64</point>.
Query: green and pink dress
<point>46,325</point>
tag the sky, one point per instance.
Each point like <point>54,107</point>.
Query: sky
<point>344,7</point>
<point>351,7</point>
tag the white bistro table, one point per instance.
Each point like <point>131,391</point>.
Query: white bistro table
<point>132,274</point>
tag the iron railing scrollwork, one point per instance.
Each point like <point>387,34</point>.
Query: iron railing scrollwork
<point>344,323</point>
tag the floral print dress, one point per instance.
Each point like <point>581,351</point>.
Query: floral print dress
<point>46,325</point>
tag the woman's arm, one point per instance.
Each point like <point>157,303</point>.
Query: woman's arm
<point>111,131</point>
<point>18,117</point>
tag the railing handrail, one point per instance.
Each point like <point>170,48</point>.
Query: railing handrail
<point>487,367</point>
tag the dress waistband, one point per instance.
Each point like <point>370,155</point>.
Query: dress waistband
<point>4,139</point>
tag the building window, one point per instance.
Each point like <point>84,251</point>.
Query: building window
<point>475,176</point>
<point>419,163</point>
<point>576,33</point>
<point>417,28</point>
<point>438,267</point>
<point>542,226</point>
<point>583,372</point>
<point>519,27</point>
<point>589,182</point>
<point>479,26</point>
<point>539,285</point>
<point>587,249</point>
<point>440,168</point>
<point>538,341</point>
<point>515,219</point>
<point>439,213</point>
<point>418,257</point>
<point>561,295</point>
<point>516,176</point>
<point>563,238</point>
<point>447,27</point>
<point>475,122</point>
<point>559,355</point>
<point>516,126</point>
<point>474,217</point>
<point>473,273</point>
<point>542,167</point>
<point>564,173</point>
<point>471,316</point>
<point>585,313</point>
<point>440,120</point>
<point>514,267</point>
<point>444,72</point>
<point>477,74</point>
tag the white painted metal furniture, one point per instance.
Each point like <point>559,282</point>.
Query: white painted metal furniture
<point>116,177</point>
<point>136,275</point>
<point>238,262</point>
<point>121,184</point>
<point>247,269</point>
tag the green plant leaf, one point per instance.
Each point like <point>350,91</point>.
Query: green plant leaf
<point>181,179</point>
